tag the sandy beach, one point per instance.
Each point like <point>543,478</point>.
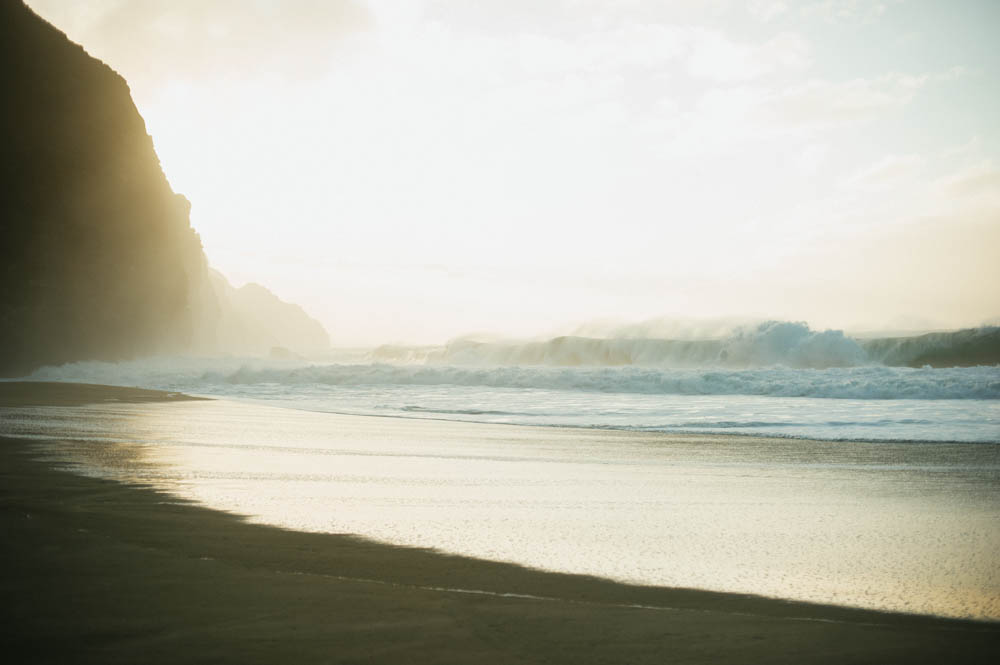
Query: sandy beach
<point>100,571</point>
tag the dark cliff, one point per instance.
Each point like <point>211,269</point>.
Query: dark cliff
<point>98,256</point>
<point>98,259</point>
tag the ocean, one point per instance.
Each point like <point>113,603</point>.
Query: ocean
<point>779,379</point>
<point>868,403</point>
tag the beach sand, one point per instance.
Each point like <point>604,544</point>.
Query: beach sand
<point>98,571</point>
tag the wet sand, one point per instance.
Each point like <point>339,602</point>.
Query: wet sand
<point>48,393</point>
<point>97,571</point>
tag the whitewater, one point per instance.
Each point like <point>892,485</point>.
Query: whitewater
<point>776,379</point>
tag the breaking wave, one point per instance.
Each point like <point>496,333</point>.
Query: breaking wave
<point>774,358</point>
<point>773,343</point>
<point>776,379</point>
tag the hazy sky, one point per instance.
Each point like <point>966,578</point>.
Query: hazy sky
<point>411,171</point>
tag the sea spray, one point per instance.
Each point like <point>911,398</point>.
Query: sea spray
<point>773,378</point>
<point>767,344</point>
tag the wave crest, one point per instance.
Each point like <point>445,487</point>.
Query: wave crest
<point>772,343</point>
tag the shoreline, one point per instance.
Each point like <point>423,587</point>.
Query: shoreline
<point>124,573</point>
<point>59,393</point>
<point>685,433</point>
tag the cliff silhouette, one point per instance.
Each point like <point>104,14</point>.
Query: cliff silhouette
<point>98,259</point>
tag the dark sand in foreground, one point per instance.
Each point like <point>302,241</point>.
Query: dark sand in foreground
<point>97,571</point>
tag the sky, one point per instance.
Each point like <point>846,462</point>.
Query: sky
<point>411,171</point>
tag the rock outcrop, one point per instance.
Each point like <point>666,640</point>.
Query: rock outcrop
<point>254,321</point>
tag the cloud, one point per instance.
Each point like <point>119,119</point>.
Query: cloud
<point>734,115</point>
<point>567,16</point>
<point>198,39</point>
<point>599,36</point>
<point>716,57</point>
<point>851,11</point>
<point>887,171</point>
<point>971,190</point>
<point>767,10</point>
<point>823,103</point>
<point>979,181</point>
